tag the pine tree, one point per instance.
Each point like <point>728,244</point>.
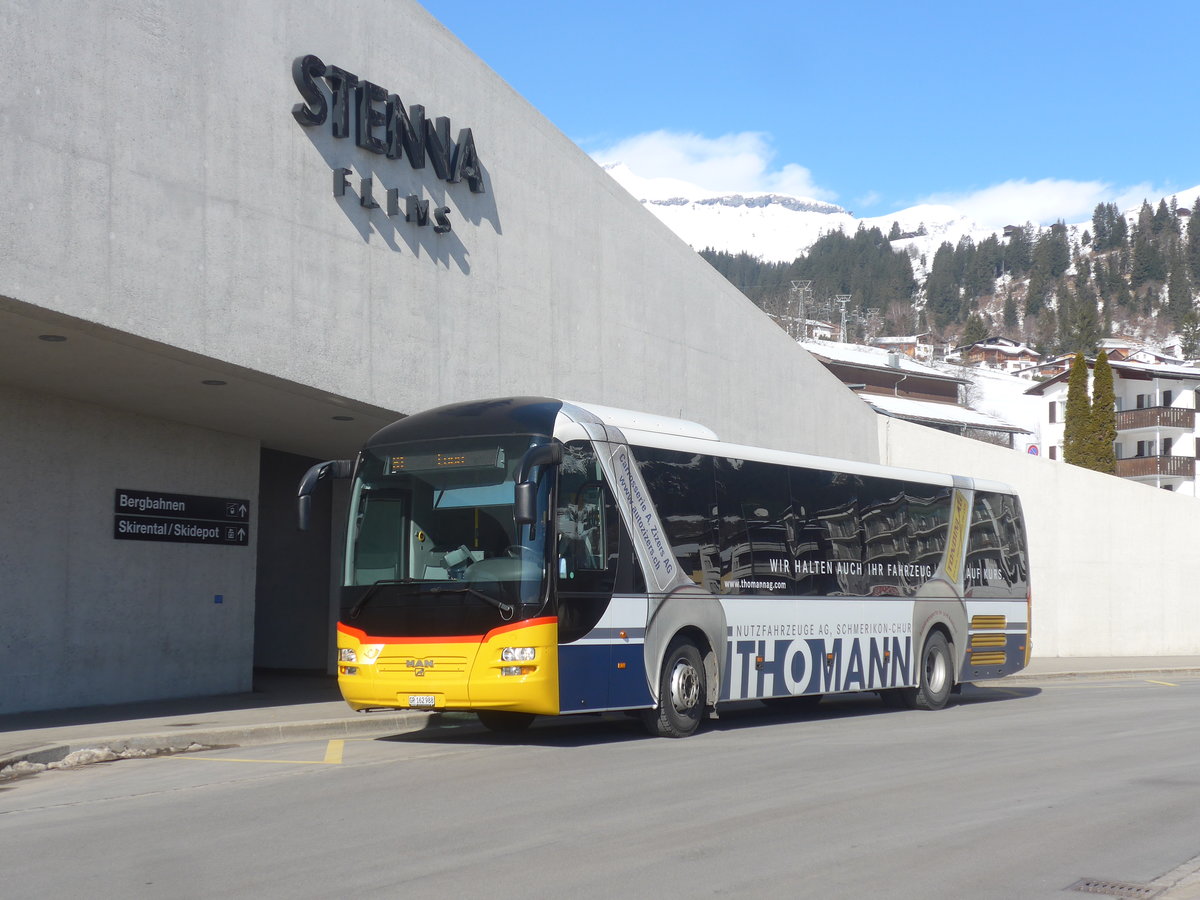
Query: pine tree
<point>1018,253</point>
<point>1192,246</point>
<point>976,330</point>
<point>1010,309</point>
<point>1100,228</point>
<point>1119,236</point>
<point>1179,291</point>
<point>941,288</point>
<point>1083,325</point>
<point>1077,422</point>
<point>1190,333</point>
<point>1103,418</point>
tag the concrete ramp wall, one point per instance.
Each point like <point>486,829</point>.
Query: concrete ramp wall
<point>1115,565</point>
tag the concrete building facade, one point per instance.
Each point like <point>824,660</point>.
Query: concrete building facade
<point>202,294</point>
<point>221,264</point>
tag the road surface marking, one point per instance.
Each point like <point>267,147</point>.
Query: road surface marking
<point>333,757</point>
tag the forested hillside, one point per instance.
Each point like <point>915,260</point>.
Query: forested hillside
<point>1060,288</point>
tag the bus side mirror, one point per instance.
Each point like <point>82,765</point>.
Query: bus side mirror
<point>525,491</point>
<point>525,503</point>
<point>334,468</point>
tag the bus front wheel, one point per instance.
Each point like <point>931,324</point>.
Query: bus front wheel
<point>681,692</point>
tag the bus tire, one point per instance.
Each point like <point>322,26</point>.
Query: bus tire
<point>681,692</point>
<point>937,678</point>
<point>504,722</point>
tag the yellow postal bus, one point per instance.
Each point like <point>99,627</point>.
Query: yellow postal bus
<point>527,556</point>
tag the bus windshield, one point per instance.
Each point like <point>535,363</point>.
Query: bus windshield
<point>432,531</point>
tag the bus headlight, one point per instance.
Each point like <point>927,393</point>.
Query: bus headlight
<point>366,653</point>
<point>518,654</point>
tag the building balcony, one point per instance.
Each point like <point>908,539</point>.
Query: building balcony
<point>1156,417</point>
<point>1156,466</point>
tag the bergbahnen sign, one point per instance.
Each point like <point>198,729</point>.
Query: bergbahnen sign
<point>180,518</point>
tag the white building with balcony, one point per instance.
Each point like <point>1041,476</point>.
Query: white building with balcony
<point>1157,441</point>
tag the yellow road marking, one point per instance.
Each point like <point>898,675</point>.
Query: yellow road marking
<point>333,757</point>
<point>1167,683</point>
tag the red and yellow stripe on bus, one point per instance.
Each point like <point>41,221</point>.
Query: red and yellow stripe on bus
<point>467,672</point>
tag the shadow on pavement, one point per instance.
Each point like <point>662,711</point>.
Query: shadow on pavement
<point>608,728</point>
<point>271,688</point>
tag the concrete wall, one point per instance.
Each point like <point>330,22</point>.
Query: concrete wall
<point>89,619</point>
<point>163,153</point>
<point>1113,563</point>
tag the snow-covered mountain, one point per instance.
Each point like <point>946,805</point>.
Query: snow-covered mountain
<point>778,227</point>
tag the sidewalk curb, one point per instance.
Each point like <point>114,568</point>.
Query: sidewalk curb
<point>176,741</point>
<point>1026,676</point>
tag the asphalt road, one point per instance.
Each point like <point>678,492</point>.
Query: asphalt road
<point>1013,792</point>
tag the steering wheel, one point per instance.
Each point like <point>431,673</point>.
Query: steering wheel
<point>520,551</point>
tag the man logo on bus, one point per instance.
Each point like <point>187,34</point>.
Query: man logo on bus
<point>420,665</point>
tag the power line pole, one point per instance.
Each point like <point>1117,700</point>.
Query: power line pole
<point>843,299</point>
<point>803,291</point>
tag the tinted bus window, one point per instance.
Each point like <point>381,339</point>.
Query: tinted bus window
<point>929,515</point>
<point>997,565</point>
<point>754,520</point>
<point>681,486</point>
<point>906,525</point>
<point>826,532</point>
<point>884,507</point>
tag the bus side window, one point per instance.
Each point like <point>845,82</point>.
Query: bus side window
<point>753,513</point>
<point>826,530</point>
<point>683,489</point>
<point>996,564</point>
<point>586,522</point>
<point>588,545</point>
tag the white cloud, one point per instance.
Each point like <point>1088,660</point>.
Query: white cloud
<point>1042,202</point>
<point>869,199</point>
<point>732,163</point>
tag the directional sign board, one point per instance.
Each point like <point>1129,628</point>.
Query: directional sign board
<point>180,518</point>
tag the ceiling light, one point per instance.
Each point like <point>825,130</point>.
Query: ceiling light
<point>343,418</point>
<point>52,338</point>
<point>215,382</point>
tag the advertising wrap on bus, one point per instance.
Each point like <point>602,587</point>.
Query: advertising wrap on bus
<point>529,556</point>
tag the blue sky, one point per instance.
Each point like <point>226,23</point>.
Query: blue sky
<point>1013,110</point>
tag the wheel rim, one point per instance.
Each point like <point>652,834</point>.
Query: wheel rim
<point>685,687</point>
<point>935,671</point>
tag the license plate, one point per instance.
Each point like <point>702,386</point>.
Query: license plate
<point>421,700</point>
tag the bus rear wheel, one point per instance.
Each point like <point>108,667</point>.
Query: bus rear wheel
<point>937,678</point>
<point>681,692</point>
<point>504,722</point>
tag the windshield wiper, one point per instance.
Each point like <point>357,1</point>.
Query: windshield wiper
<point>373,590</point>
<point>506,610</point>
